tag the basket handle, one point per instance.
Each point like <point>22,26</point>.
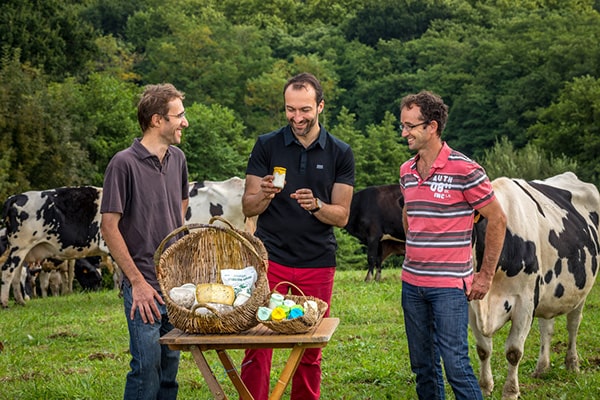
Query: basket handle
<point>163,243</point>
<point>207,306</point>
<point>187,228</point>
<point>219,218</point>
<point>291,284</point>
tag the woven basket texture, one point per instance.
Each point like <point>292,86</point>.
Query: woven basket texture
<point>198,257</point>
<point>303,324</point>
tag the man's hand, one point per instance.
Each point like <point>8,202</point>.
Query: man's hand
<point>480,286</point>
<point>143,300</point>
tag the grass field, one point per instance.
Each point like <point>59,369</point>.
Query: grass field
<point>76,347</point>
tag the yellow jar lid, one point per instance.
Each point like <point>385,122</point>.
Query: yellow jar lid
<point>278,314</point>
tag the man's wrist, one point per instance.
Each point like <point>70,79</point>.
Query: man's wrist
<point>318,205</point>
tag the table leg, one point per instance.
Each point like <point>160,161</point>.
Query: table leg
<point>288,371</point>
<point>209,376</point>
<point>234,375</point>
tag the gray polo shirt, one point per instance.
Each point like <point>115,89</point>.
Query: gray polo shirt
<point>149,197</point>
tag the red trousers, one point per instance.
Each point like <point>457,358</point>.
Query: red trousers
<point>256,367</point>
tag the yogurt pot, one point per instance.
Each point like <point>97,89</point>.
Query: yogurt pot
<point>279,177</point>
<point>289,303</point>
<point>278,314</point>
<point>241,298</point>
<point>296,312</point>
<point>264,313</point>
<point>276,300</point>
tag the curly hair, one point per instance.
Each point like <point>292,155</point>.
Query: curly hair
<point>432,107</point>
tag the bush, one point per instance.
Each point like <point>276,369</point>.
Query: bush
<point>527,163</point>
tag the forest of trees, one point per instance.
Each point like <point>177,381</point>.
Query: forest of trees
<point>519,74</point>
<point>521,77</point>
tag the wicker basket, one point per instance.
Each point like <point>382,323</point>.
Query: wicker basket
<point>198,257</point>
<point>303,324</point>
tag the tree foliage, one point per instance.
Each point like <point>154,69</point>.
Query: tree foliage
<point>49,34</point>
<point>213,144</point>
<point>520,77</point>
<point>529,163</point>
<point>37,136</point>
<point>571,124</point>
<point>395,19</point>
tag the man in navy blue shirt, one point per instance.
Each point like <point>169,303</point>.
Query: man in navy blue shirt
<point>296,222</point>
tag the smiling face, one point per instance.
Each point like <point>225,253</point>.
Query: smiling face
<point>416,131</point>
<point>174,122</point>
<point>302,110</point>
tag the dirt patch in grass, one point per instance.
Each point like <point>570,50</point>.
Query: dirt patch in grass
<point>101,356</point>
<point>62,335</point>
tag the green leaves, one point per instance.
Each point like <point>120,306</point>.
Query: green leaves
<point>71,71</point>
<point>570,126</point>
<point>214,145</point>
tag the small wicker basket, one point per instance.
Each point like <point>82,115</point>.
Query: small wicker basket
<point>303,324</point>
<point>198,257</point>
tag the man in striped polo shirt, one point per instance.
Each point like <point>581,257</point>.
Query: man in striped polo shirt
<point>442,189</point>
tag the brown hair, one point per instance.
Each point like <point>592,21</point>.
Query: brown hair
<point>302,80</point>
<point>155,100</point>
<point>432,107</point>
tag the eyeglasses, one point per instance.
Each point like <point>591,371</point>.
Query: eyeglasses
<point>180,115</point>
<point>409,127</point>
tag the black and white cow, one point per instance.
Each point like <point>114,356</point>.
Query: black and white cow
<point>376,221</point>
<point>217,198</point>
<point>64,224</point>
<point>87,273</point>
<point>548,266</point>
<point>3,241</point>
<point>29,278</point>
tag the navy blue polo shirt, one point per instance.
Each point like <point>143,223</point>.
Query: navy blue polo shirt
<point>292,236</point>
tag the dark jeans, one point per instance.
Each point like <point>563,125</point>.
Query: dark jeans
<point>154,366</point>
<point>436,321</point>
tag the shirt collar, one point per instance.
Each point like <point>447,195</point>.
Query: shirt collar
<point>441,159</point>
<point>142,153</point>
<point>289,138</point>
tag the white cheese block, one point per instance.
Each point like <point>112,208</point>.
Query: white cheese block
<point>182,296</point>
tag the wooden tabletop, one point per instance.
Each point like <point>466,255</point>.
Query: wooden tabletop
<point>258,337</point>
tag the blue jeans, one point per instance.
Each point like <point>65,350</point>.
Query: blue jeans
<point>154,366</point>
<point>436,321</point>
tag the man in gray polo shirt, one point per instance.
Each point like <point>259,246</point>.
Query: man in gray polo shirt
<point>145,196</point>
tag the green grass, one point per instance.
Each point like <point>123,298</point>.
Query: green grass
<point>76,347</point>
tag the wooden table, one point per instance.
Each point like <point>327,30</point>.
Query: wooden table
<point>259,337</point>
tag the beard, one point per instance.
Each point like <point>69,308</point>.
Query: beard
<point>300,132</point>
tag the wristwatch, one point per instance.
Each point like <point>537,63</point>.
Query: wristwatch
<point>317,208</point>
